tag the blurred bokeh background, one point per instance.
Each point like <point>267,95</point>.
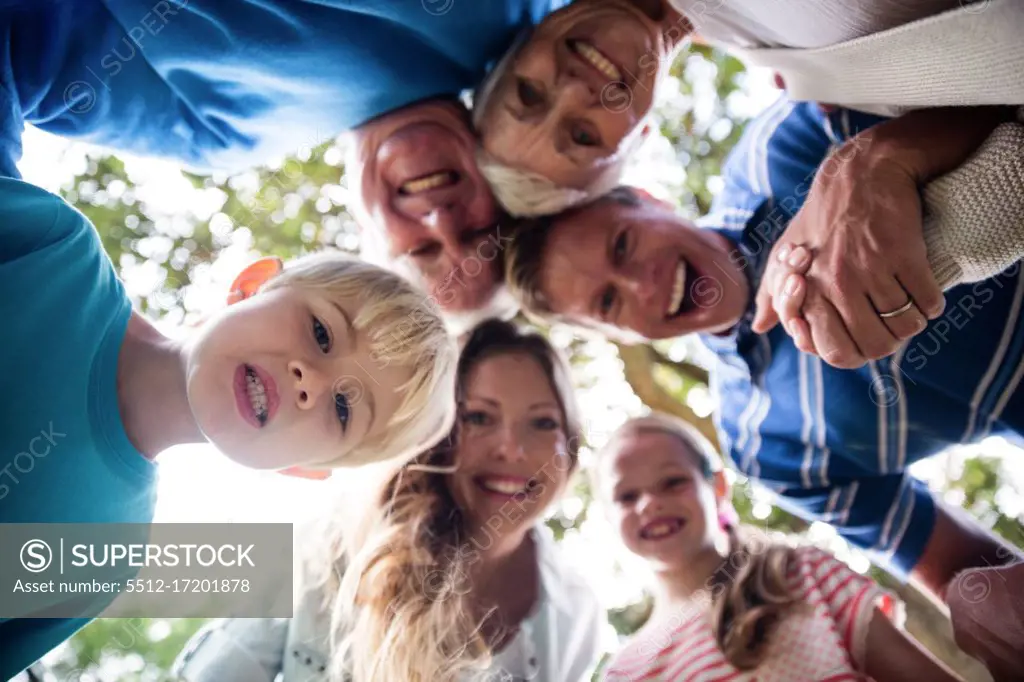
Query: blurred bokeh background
<point>178,239</point>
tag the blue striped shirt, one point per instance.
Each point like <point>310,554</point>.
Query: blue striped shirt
<point>835,444</point>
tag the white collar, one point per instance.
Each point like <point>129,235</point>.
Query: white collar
<point>558,582</point>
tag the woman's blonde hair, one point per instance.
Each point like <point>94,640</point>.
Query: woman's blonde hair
<point>404,327</point>
<point>750,591</point>
<point>401,610</point>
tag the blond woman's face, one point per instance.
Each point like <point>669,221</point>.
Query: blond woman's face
<point>512,455</point>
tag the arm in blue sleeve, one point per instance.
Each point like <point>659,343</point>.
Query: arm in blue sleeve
<point>889,516</point>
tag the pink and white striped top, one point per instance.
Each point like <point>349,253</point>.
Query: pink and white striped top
<point>822,643</point>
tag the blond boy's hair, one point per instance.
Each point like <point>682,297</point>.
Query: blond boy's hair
<point>404,327</point>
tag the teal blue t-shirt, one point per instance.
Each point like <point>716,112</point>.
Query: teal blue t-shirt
<point>64,454</point>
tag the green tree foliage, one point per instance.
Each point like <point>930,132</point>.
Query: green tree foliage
<point>300,205</point>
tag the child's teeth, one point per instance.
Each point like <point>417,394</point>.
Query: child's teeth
<point>660,529</point>
<point>257,393</point>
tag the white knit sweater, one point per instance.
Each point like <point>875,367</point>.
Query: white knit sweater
<point>974,215</point>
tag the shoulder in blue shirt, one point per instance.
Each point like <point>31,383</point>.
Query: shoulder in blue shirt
<point>66,457</point>
<point>229,84</point>
<point>835,444</point>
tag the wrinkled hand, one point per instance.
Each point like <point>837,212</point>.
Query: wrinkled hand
<point>861,228</point>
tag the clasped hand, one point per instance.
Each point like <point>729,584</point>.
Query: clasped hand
<point>849,279</point>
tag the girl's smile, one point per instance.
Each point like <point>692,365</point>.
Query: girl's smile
<point>662,528</point>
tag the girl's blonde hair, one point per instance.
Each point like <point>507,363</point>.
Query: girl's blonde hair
<point>404,327</point>
<point>750,591</point>
<point>401,609</point>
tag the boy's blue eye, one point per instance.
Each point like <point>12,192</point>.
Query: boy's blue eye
<point>341,408</point>
<point>322,337</point>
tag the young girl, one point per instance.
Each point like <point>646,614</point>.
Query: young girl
<point>453,576</point>
<point>727,608</point>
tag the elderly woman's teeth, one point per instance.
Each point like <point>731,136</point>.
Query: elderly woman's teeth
<point>678,290</point>
<point>428,182</point>
<point>597,60</point>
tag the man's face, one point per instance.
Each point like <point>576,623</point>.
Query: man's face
<point>424,204</point>
<point>641,272</point>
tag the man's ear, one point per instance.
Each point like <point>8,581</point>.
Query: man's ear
<point>299,472</point>
<point>253,277</point>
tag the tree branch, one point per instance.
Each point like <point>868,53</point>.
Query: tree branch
<point>639,370</point>
<point>686,369</point>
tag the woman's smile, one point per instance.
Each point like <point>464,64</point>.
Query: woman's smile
<point>503,486</point>
<point>595,59</point>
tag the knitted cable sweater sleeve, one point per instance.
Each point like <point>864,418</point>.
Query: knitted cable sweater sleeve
<point>974,215</point>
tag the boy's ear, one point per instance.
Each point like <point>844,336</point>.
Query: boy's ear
<point>313,474</point>
<point>253,277</point>
<point>723,491</point>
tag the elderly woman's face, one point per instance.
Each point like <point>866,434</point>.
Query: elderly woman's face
<point>575,92</point>
<point>512,456</point>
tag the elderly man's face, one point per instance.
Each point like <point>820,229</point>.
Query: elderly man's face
<point>422,201</point>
